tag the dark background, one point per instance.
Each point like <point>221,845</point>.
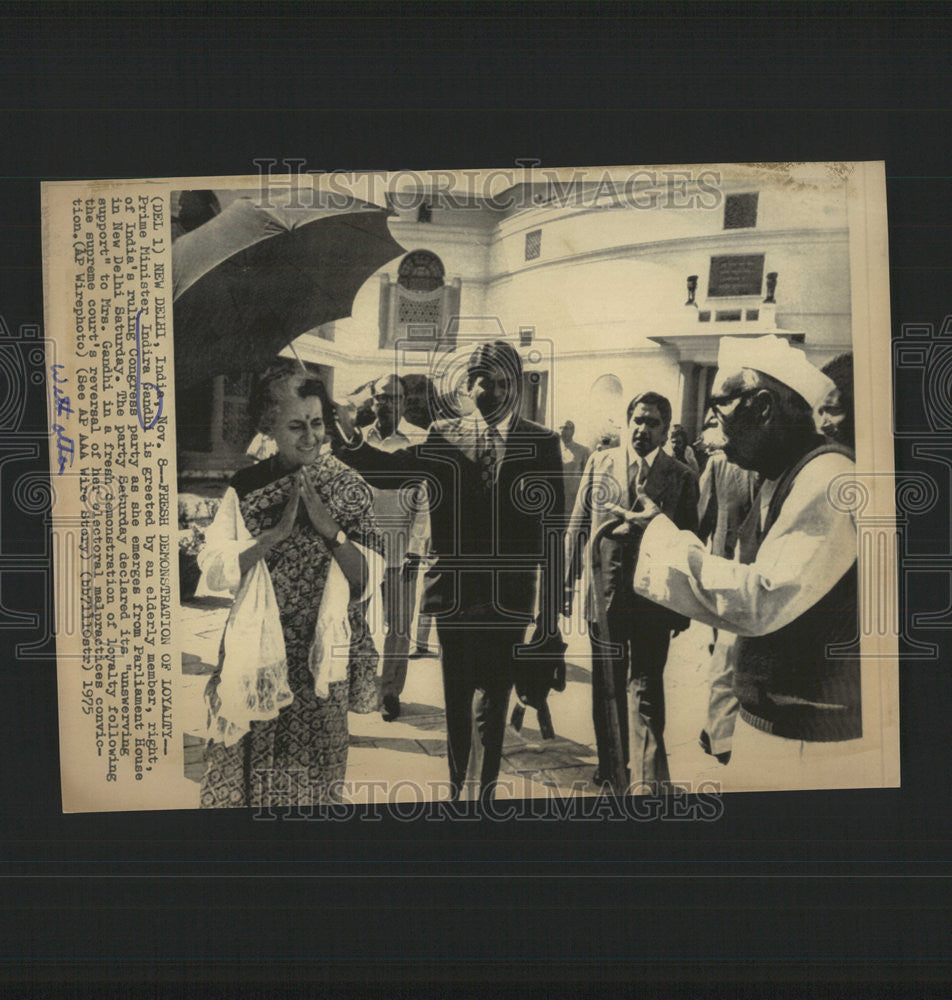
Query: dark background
<point>847,887</point>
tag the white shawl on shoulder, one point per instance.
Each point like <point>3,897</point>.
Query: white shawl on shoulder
<point>254,669</point>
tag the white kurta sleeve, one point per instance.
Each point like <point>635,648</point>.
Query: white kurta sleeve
<point>225,539</point>
<point>808,549</point>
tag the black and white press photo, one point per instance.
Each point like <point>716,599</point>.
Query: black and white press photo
<point>504,487</point>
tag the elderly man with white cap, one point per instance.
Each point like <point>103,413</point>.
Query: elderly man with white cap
<point>792,594</point>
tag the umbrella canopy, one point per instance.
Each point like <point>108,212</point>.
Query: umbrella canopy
<point>249,281</point>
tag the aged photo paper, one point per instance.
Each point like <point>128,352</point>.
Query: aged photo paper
<point>186,317</point>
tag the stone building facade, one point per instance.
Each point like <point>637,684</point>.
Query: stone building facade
<point>607,295</point>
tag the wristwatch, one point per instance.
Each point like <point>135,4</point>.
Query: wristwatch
<point>337,541</point>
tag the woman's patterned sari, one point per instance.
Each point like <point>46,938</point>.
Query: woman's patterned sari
<point>299,758</point>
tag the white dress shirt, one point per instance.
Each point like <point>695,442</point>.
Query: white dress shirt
<point>404,531</point>
<point>804,554</point>
<point>402,436</point>
<point>636,460</point>
<point>503,428</point>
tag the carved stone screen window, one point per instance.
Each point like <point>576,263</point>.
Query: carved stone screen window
<point>428,310</point>
<point>533,244</point>
<point>415,310</point>
<point>740,211</point>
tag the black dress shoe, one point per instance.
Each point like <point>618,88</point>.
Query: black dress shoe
<point>599,780</point>
<point>705,743</point>
<point>603,782</point>
<point>391,705</point>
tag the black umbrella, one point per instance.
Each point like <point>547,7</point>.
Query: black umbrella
<point>252,279</point>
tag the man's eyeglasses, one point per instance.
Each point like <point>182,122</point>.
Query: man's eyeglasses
<point>717,403</point>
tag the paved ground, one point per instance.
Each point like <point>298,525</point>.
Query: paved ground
<point>413,747</point>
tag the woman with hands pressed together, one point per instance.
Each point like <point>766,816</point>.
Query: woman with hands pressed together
<point>295,539</point>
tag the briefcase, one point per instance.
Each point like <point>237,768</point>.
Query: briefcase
<point>540,670</point>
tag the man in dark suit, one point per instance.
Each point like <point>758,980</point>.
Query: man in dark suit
<point>639,630</point>
<point>496,497</point>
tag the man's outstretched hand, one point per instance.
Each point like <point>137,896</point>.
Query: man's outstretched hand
<point>634,520</point>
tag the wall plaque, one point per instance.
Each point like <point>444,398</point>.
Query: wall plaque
<point>736,274</point>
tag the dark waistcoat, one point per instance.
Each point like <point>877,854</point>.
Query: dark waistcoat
<point>787,682</point>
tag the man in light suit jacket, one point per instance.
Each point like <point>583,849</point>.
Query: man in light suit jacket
<point>496,498</point>
<point>640,630</point>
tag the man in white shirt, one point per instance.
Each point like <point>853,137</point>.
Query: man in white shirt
<point>677,447</point>
<point>405,525</point>
<point>792,597</point>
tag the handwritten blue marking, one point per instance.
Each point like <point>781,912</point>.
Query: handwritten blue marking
<point>64,449</point>
<point>64,445</point>
<point>140,385</point>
